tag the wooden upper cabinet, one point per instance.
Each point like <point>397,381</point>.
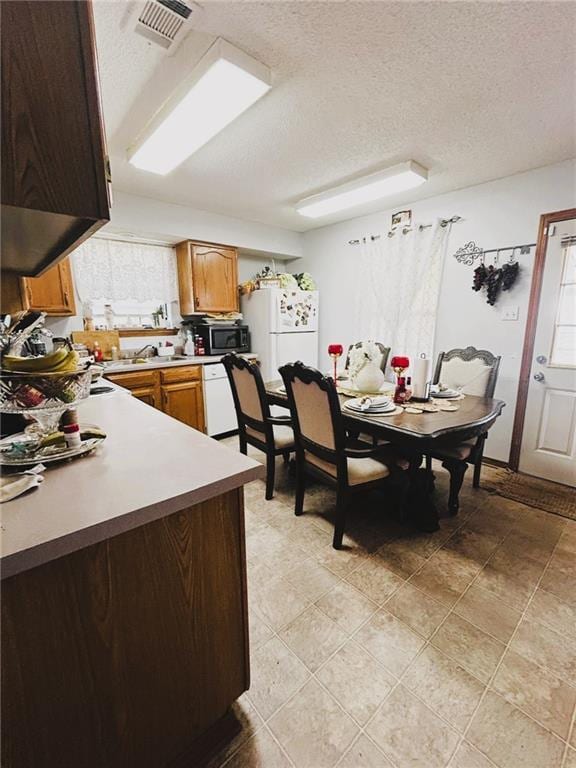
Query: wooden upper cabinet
<point>52,293</point>
<point>207,277</point>
<point>54,165</point>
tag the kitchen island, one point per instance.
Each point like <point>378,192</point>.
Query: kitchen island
<point>124,615</point>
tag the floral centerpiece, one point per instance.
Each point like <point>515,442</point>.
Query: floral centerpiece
<point>364,367</point>
<point>268,277</point>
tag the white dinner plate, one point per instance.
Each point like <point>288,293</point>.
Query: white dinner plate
<point>445,393</point>
<point>384,405</point>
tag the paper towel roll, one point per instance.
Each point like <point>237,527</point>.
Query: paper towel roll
<point>421,377</point>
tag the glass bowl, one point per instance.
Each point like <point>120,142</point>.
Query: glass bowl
<point>28,393</point>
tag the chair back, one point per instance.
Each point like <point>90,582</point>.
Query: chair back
<point>315,410</point>
<point>384,350</point>
<point>472,370</point>
<point>249,394</point>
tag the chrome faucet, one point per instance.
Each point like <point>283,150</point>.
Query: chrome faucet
<point>140,352</point>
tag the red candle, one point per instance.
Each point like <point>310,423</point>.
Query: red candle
<point>335,350</point>
<point>400,361</point>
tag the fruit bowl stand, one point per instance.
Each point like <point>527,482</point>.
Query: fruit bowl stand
<point>42,396</point>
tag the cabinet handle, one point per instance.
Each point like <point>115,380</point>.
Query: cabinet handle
<point>196,301</point>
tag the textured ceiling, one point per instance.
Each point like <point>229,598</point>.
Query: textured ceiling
<point>471,90</point>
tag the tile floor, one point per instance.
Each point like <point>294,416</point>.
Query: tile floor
<point>408,650</point>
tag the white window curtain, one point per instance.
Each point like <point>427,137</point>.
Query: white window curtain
<point>399,287</point>
<point>110,270</point>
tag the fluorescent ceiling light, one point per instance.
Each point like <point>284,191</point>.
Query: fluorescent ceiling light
<point>398,178</point>
<point>224,83</point>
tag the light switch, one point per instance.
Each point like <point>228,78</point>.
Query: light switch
<point>510,312</point>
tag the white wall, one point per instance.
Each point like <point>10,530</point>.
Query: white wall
<point>497,214</point>
<point>152,218</point>
<point>144,217</point>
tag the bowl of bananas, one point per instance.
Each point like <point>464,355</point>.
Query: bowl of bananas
<point>52,382</point>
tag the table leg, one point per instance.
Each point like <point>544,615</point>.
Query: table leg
<point>457,470</point>
<point>421,509</point>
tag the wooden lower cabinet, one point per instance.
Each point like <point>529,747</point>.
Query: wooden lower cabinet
<point>176,391</point>
<point>148,395</point>
<point>185,402</point>
<point>128,653</point>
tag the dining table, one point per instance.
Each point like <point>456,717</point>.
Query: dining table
<point>418,434</point>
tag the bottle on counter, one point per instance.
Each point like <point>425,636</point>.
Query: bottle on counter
<point>97,352</point>
<point>109,317</point>
<point>114,354</point>
<point>189,346</point>
<point>71,428</point>
<point>200,350</point>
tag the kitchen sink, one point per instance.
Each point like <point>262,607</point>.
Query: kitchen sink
<point>144,360</point>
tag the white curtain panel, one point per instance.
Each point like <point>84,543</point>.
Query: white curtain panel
<point>399,287</point>
<point>117,271</point>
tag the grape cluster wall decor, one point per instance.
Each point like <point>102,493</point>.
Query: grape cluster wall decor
<point>493,278</point>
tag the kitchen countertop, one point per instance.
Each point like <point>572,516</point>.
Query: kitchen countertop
<point>158,362</point>
<point>149,466</point>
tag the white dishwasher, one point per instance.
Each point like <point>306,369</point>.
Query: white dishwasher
<point>218,401</point>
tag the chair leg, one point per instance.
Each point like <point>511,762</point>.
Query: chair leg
<point>341,505</point>
<point>243,445</point>
<point>428,463</point>
<point>300,488</point>
<point>270,469</point>
<point>286,457</point>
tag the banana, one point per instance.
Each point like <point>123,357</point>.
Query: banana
<point>61,361</point>
<point>35,364</point>
<point>69,363</point>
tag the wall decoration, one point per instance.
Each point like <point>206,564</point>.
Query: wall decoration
<point>495,279</point>
<point>401,219</point>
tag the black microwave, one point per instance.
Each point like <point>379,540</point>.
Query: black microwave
<point>219,339</point>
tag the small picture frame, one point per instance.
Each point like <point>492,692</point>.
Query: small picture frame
<point>401,219</point>
<point>269,282</point>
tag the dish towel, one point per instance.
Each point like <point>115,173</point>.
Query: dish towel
<point>12,486</point>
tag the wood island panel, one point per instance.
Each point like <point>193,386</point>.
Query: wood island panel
<point>124,653</point>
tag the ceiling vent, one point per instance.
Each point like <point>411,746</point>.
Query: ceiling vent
<point>164,22</point>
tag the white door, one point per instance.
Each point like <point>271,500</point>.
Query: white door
<point>549,438</point>
<point>290,347</point>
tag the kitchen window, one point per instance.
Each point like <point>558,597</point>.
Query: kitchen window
<point>138,280</point>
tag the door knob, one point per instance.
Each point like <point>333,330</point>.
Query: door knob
<point>538,377</point>
<point>542,359</point>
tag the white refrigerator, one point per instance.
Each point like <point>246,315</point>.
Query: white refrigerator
<point>283,327</point>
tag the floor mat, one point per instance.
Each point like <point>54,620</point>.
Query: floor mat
<point>552,497</point>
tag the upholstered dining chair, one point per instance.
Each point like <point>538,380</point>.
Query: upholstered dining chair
<point>271,434</point>
<point>473,372</point>
<point>384,350</point>
<point>322,449</point>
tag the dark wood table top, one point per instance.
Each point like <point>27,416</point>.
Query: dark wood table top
<point>474,416</point>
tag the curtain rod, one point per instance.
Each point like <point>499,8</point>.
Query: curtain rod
<point>133,240</point>
<point>405,230</point>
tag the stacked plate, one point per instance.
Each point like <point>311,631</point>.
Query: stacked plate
<point>447,393</point>
<point>372,405</point>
